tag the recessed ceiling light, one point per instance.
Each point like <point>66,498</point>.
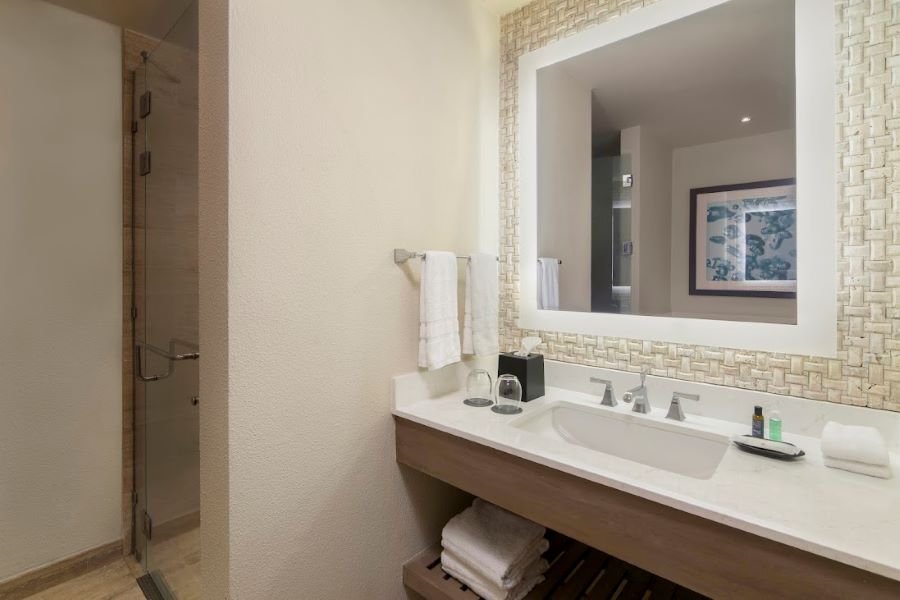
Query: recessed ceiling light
<point>746,119</point>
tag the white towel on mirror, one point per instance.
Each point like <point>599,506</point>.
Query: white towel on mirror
<point>481,328</point>
<point>438,311</point>
<point>462,571</point>
<point>548,283</point>
<point>495,543</point>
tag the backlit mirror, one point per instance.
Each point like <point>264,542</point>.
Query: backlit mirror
<point>666,174</point>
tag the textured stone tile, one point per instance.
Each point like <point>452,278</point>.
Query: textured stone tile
<point>867,121</point>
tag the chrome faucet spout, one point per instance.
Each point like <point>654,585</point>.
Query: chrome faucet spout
<point>641,402</point>
<point>639,395</point>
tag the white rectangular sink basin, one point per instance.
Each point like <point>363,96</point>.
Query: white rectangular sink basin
<point>635,437</point>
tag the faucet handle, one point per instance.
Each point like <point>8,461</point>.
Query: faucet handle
<point>609,395</point>
<point>675,410</point>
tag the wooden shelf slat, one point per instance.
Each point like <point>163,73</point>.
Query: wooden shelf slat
<point>574,584</point>
<point>609,583</point>
<point>638,582</point>
<point>577,572</point>
<point>662,589</point>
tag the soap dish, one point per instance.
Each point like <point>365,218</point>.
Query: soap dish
<point>770,448</point>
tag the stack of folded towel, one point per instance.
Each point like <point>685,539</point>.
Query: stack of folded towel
<point>855,448</point>
<point>494,552</point>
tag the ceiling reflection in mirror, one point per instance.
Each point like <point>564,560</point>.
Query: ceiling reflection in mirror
<point>666,170</point>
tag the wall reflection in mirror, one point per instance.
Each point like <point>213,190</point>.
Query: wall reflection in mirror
<point>666,170</point>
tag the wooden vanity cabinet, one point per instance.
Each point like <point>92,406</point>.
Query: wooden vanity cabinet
<point>711,558</point>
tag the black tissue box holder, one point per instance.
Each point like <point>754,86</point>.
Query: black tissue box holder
<point>528,369</point>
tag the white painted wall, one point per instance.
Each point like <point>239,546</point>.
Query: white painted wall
<point>564,182</point>
<point>651,202</point>
<point>741,160</point>
<point>61,298</point>
<point>353,128</point>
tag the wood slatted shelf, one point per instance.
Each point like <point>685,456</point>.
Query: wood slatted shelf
<point>577,572</point>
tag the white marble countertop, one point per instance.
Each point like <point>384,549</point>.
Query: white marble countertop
<point>843,516</point>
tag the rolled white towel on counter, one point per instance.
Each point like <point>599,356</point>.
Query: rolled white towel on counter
<point>495,543</point>
<point>855,448</point>
<point>882,471</point>
<point>487,589</point>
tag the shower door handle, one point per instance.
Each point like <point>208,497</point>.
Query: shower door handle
<point>169,356</point>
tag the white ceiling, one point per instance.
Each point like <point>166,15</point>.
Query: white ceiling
<point>152,17</point>
<point>691,81</point>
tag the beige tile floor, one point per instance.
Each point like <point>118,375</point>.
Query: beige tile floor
<point>113,581</point>
<point>177,559</point>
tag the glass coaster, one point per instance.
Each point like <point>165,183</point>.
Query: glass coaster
<point>506,409</point>
<point>479,402</point>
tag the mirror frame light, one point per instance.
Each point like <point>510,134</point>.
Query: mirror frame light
<point>816,330</point>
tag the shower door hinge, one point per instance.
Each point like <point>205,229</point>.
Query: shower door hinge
<point>148,526</point>
<point>145,163</point>
<point>146,99</point>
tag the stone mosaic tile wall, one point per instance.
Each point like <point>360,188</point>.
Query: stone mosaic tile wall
<point>867,123</point>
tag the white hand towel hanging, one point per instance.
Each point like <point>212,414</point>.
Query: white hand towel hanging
<point>548,283</point>
<point>438,311</point>
<point>481,327</point>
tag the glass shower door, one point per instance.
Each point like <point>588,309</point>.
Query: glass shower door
<point>168,322</point>
<point>612,244</point>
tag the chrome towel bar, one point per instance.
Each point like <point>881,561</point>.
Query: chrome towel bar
<point>401,255</point>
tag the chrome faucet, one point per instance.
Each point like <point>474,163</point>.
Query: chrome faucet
<point>639,395</point>
<point>609,396</point>
<point>675,411</point>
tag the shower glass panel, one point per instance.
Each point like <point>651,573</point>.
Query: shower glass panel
<point>612,244</point>
<point>167,406</point>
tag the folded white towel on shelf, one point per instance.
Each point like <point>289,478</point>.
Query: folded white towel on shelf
<point>517,570</point>
<point>438,311</point>
<point>854,442</point>
<point>486,588</point>
<point>495,543</point>
<point>882,471</point>
<point>548,284</point>
<point>481,330</point>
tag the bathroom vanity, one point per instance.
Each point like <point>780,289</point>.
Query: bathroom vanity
<point>747,272</point>
<point>674,498</point>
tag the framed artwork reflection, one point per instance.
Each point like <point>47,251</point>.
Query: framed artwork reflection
<point>743,240</point>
